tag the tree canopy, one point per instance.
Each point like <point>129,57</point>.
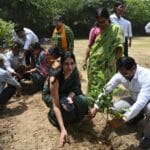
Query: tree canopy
<point>78,14</point>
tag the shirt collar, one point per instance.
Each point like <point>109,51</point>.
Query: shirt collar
<point>120,18</point>
<point>136,72</point>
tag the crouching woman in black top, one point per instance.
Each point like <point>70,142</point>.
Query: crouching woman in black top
<point>64,96</point>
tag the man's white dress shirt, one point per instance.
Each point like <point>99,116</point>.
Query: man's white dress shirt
<point>123,23</point>
<point>6,77</point>
<point>138,87</point>
<point>12,62</point>
<point>30,38</point>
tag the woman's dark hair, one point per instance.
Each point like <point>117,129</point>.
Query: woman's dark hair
<point>68,54</point>
<point>126,62</point>
<point>102,12</point>
<point>65,55</point>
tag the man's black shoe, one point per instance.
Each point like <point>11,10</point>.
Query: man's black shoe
<point>144,143</point>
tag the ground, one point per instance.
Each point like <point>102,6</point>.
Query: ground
<point>24,126</point>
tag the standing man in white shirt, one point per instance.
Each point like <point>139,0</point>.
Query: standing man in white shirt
<point>136,80</point>
<point>26,37</point>
<point>8,85</point>
<point>117,17</point>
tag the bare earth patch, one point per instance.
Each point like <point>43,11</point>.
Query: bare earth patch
<point>24,126</point>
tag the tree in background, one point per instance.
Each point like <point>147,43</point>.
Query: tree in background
<point>78,14</point>
<point>5,32</point>
<point>138,11</point>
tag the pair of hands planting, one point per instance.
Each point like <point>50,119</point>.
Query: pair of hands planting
<point>114,123</point>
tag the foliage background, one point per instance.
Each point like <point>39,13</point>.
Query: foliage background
<point>78,14</point>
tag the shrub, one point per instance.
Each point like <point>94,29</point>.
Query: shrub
<point>5,33</point>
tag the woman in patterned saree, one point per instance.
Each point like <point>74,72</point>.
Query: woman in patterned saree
<point>108,47</point>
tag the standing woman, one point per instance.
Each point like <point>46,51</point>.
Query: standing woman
<point>64,96</point>
<point>108,47</point>
<point>94,32</point>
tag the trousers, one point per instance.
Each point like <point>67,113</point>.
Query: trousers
<point>6,94</point>
<point>126,103</point>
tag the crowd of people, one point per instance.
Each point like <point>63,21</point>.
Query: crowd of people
<point>55,72</point>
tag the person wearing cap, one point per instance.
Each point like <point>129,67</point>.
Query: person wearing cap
<point>14,61</point>
<point>136,79</point>
<point>26,37</point>
<point>62,36</point>
<point>147,28</point>
<point>8,85</point>
<point>125,24</point>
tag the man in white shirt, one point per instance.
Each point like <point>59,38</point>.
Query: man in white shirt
<point>26,38</point>
<point>147,28</point>
<point>136,80</point>
<point>8,85</point>
<point>117,17</point>
<point>13,60</point>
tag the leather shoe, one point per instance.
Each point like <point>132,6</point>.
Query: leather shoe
<point>144,143</point>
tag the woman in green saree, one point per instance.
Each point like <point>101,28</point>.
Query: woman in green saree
<point>108,47</point>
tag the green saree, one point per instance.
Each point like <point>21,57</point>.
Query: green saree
<point>102,60</point>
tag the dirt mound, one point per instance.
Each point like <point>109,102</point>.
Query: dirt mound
<point>25,126</point>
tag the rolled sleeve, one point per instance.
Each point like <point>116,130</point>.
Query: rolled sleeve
<point>142,100</point>
<point>113,83</point>
<point>28,42</point>
<point>130,30</point>
<point>8,66</point>
<point>12,81</point>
